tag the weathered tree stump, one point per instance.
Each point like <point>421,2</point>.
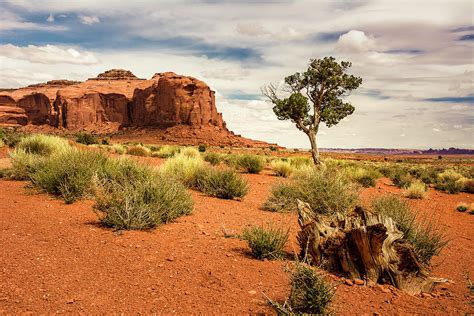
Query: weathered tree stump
<point>362,246</point>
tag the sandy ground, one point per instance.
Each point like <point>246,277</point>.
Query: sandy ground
<point>57,258</point>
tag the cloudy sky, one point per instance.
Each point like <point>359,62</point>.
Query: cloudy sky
<point>416,58</point>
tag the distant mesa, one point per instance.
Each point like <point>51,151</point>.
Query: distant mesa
<point>170,106</point>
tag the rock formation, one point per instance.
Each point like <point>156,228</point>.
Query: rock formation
<point>117,100</point>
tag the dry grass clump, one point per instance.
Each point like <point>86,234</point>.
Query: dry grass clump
<point>266,242</point>
<point>282,168</point>
<point>251,163</point>
<point>118,149</point>
<point>450,181</point>
<point>138,151</point>
<point>166,151</point>
<point>86,139</point>
<point>416,190</point>
<point>327,191</point>
<point>300,161</point>
<point>190,152</point>
<point>366,177</point>
<point>310,293</point>
<point>213,158</point>
<point>424,234</point>
<point>183,168</point>
<point>221,183</point>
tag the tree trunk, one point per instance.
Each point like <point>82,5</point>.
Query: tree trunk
<point>362,246</point>
<point>314,147</point>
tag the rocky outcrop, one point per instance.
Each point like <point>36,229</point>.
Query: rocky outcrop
<point>116,74</point>
<point>37,108</point>
<point>10,113</point>
<point>172,100</point>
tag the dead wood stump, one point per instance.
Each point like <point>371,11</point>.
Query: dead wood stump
<point>362,246</point>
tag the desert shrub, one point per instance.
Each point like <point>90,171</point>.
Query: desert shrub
<point>190,152</point>
<point>416,190</point>
<point>232,160</point>
<point>272,148</point>
<point>105,141</point>
<point>184,169</point>
<point>11,137</point>
<point>119,149</point>
<point>138,151</point>
<point>33,151</point>
<point>424,234</point>
<point>166,151</point>
<point>251,163</point>
<point>468,186</point>
<point>6,173</point>
<point>310,293</point>
<point>222,183</point>
<point>462,207</point>
<point>266,242</point>
<point>450,181</point>
<point>39,144</point>
<point>365,177</point>
<point>142,203</point>
<point>86,138</point>
<point>300,161</point>
<point>2,143</point>
<point>401,178</point>
<point>69,173</point>
<point>327,191</point>
<point>282,168</point>
<point>202,148</point>
<point>213,158</point>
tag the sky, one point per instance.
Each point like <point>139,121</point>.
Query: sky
<point>416,58</point>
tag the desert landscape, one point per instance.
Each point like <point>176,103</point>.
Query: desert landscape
<point>267,157</point>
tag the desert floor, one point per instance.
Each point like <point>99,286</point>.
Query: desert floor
<point>57,258</point>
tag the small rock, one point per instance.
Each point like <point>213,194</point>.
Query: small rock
<point>252,292</point>
<point>426,295</point>
<point>170,259</point>
<point>348,282</point>
<point>358,282</point>
<point>228,255</point>
<point>70,301</point>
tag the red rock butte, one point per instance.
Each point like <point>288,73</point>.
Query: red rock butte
<point>168,107</point>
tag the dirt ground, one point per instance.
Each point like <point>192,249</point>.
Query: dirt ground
<point>57,258</point>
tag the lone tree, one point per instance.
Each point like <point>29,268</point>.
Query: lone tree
<point>323,84</point>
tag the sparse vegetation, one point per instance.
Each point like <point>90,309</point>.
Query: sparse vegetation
<point>119,149</point>
<point>282,168</point>
<point>462,207</point>
<point>202,148</point>
<point>139,151</point>
<point>327,191</point>
<point>221,183</point>
<point>424,234</point>
<point>213,158</point>
<point>251,163</point>
<point>416,190</point>
<point>184,168</point>
<point>450,181</point>
<point>266,242</point>
<point>310,293</point>
<point>86,138</point>
<point>166,152</point>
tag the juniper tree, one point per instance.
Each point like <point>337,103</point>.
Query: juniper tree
<point>315,96</point>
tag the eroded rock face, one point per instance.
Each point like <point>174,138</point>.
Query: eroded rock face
<point>115,99</point>
<point>173,99</point>
<point>10,113</point>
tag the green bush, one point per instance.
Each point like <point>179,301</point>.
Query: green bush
<point>416,190</point>
<point>282,168</point>
<point>310,293</point>
<point>138,151</point>
<point>251,163</point>
<point>69,173</point>
<point>213,158</point>
<point>327,191</point>
<point>11,137</point>
<point>462,207</point>
<point>402,179</point>
<point>190,152</point>
<point>366,177</point>
<point>222,183</point>
<point>427,239</point>
<point>86,138</point>
<point>106,141</point>
<point>202,148</point>
<point>166,151</point>
<point>145,202</point>
<point>184,169</point>
<point>119,149</point>
<point>6,173</point>
<point>468,186</point>
<point>266,242</point>
<point>300,161</point>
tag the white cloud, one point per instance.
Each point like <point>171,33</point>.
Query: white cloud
<point>50,18</point>
<point>89,19</point>
<point>355,41</point>
<point>49,54</point>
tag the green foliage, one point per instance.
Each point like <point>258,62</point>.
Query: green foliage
<point>468,186</point>
<point>119,149</point>
<point>266,242</point>
<point>310,293</point>
<point>166,151</point>
<point>6,173</point>
<point>86,138</point>
<point>213,158</point>
<point>327,191</point>
<point>138,151</point>
<point>282,168</point>
<point>140,202</point>
<point>190,152</point>
<point>462,207</point>
<point>366,177</point>
<point>251,163</point>
<point>299,161</point>
<point>184,169</point>
<point>202,148</point>
<point>69,173</point>
<point>106,141</point>
<point>424,234</point>
<point>10,137</point>
<point>272,148</point>
<point>450,181</point>
<point>222,183</point>
<point>416,190</point>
